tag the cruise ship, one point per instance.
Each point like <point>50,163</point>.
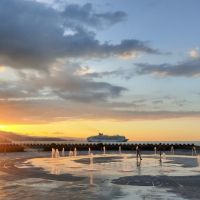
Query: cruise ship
<point>106,138</point>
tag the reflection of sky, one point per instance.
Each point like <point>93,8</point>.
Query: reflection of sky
<point>104,172</point>
<point>125,165</point>
<point>97,185</point>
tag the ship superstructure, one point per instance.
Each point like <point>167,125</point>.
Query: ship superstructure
<point>107,138</point>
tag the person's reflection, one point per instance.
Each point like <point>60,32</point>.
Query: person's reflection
<point>91,180</point>
<point>55,170</point>
<point>138,164</point>
<point>160,161</point>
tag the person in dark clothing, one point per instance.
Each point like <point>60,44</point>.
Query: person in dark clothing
<point>138,153</point>
<point>194,152</point>
<point>160,152</point>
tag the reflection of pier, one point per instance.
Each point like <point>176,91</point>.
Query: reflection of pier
<point>94,146</point>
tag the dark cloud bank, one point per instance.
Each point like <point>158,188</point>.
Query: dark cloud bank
<point>32,35</point>
<point>187,68</point>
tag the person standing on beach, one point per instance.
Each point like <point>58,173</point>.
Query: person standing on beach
<point>160,152</point>
<point>172,150</point>
<point>155,150</point>
<point>138,153</point>
<point>194,151</point>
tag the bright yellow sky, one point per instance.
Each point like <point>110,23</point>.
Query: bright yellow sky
<point>144,130</point>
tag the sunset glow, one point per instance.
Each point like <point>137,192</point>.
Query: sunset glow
<point>74,69</point>
<point>152,130</point>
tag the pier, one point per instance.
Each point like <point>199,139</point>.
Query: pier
<point>18,146</point>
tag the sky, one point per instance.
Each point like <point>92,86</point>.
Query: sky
<point>73,68</point>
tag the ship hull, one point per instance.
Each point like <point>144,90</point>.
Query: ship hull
<point>107,140</point>
<point>104,138</point>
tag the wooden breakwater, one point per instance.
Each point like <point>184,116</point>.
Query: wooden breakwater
<point>84,146</point>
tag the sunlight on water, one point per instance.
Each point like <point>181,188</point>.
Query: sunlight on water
<point>123,163</point>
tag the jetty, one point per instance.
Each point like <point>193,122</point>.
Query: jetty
<point>18,146</point>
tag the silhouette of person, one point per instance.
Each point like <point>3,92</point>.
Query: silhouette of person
<point>138,153</point>
<point>155,150</point>
<point>194,152</point>
<point>172,150</point>
<point>160,151</point>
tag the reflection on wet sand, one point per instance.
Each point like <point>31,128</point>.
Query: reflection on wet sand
<point>111,176</point>
<point>91,179</point>
<point>78,166</point>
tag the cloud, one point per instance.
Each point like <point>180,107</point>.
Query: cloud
<point>128,55</point>
<point>33,35</point>
<point>194,53</point>
<point>157,101</point>
<point>102,74</point>
<point>124,73</point>
<point>61,82</point>
<point>2,69</point>
<point>187,68</point>
<point>62,94</point>
<point>40,43</point>
<point>91,92</point>
<point>60,110</point>
<point>74,14</point>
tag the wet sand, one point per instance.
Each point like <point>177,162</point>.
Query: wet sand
<point>31,182</point>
